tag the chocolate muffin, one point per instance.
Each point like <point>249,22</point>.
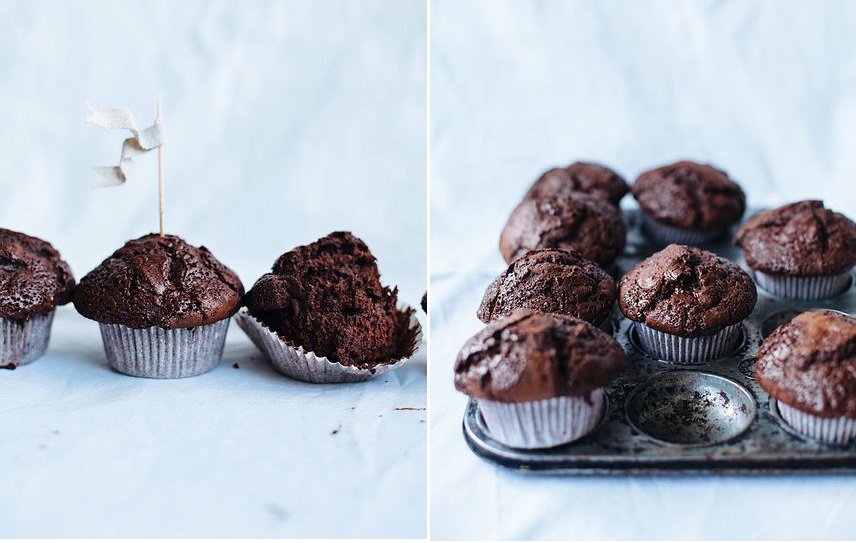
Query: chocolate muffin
<point>801,250</point>
<point>809,366</point>
<point>688,202</point>
<point>688,303</point>
<point>539,377</point>
<point>34,280</point>
<point>566,220</point>
<point>585,177</point>
<point>326,297</point>
<point>163,306</point>
<point>550,281</point>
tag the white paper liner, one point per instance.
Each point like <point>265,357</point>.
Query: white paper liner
<point>303,365</point>
<point>164,354</point>
<point>544,423</point>
<point>687,350</point>
<point>666,234</point>
<point>815,287</point>
<point>22,341</point>
<point>837,430</point>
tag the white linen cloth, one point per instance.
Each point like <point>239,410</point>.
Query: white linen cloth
<point>287,120</point>
<point>762,89</point>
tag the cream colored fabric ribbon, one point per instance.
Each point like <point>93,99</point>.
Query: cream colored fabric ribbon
<point>140,141</point>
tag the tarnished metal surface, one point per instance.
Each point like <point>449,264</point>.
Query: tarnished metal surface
<point>709,418</point>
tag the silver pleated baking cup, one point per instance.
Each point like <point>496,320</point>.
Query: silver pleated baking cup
<point>837,430</point>
<point>688,350</point>
<point>666,234</point>
<point>544,423</point>
<point>297,363</point>
<point>160,353</point>
<point>22,341</point>
<point>816,287</point>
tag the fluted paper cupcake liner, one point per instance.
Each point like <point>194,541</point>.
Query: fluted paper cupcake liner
<point>164,354</point>
<point>665,234</point>
<point>544,423</point>
<point>297,363</point>
<point>836,430</point>
<point>688,350</point>
<point>22,341</point>
<point>815,287</point>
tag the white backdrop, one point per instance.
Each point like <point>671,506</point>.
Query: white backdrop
<point>763,89</point>
<point>285,120</point>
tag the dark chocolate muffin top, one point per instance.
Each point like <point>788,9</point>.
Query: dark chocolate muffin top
<point>686,291</point>
<point>327,298</point>
<point>34,279</point>
<point>566,220</point>
<point>799,239</point>
<point>159,281</point>
<point>530,356</point>
<point>809,363</point>
<point>584,177</point>
<point>550,281</point>
<point>690,195</point>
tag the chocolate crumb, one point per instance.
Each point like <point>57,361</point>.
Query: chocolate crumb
<point>409,409</point>
<point>236,366</point>
<point>336,430</point>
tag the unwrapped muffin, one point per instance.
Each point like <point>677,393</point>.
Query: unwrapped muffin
<point>326,299</point>
<point>800,251</point>
<point>809,366</point>
<point>585,177</point>
<point>539,378</point>
<point>163,306</point>
<point>688,303</point>
<point>687,202</point>
<point>34,280</point>
<point>550,281</point>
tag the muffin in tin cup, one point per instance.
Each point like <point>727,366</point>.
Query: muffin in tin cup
<point>688,203</point>
<point>163,307</point>
<point>809,366</point>
<point>800,251</point>
<point>34,280</point>
<point>687,303</point>
<point>539,378</point>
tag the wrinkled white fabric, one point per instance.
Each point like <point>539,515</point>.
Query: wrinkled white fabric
<point>140,142</point>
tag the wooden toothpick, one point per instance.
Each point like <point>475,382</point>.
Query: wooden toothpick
<point>160,172</point>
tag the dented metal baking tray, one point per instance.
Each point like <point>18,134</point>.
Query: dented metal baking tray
<point>669,418</point>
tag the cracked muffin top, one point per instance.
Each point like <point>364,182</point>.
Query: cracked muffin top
<point>159,281</point>
<point>799,239</point>
<point>810,363</point>
<point>530,356</point>
<point>686,291</point>
<point>587,224</point>
<point>34,279</point>
<point>327,298</point>
<point>550,281</point>
<point>690,195</point>
<point>584,177</point>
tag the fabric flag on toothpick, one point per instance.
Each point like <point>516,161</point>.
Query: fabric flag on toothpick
<point>140,141</point>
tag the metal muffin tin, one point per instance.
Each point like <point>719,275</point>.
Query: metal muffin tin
<point>661,417</point>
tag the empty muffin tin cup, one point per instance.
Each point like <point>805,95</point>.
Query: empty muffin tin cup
<point>544,423</point>
<point>688,350</point>
<point>817,287</point>
<point>303,365</point>
<point>690,408</point>
<point>665,234</point>
<point>160,353</point>
<point>834,430</point>
<point>22,341</point>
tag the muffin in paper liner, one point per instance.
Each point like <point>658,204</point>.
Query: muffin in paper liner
<point>835,430</point>
<point>162,353</point>
<point>22,341</point>
<point>665,234</point>
<point>544,423</point>
<point>687,350</point>
<point>816,287</point>
<point>297,363</point>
